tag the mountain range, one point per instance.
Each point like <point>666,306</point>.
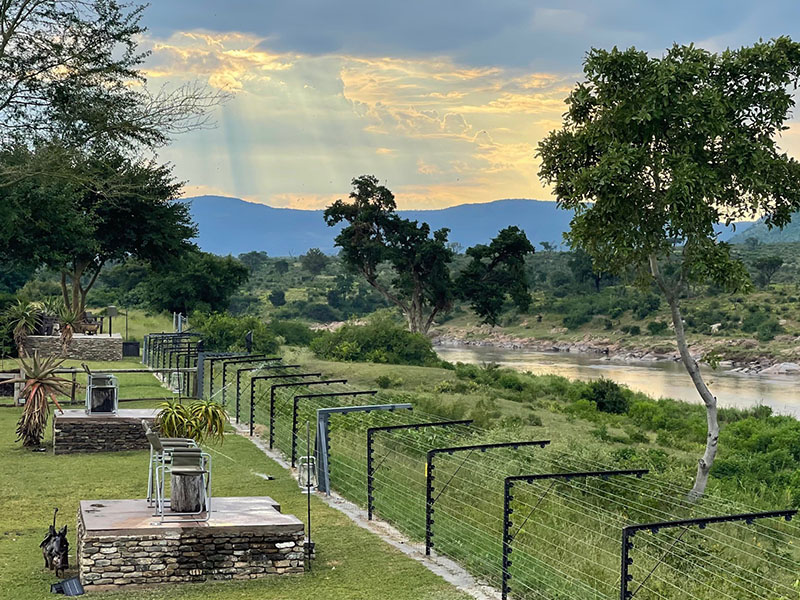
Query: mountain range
<point>233,226</point>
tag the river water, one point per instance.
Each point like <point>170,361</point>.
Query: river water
<point>658,379</point>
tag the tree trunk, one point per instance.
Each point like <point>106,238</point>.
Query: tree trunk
<point>187,493</point>
<point>712,438</point>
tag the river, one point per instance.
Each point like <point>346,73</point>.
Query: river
<point>657,379</point>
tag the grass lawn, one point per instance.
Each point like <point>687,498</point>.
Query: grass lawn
<point>351,563</point>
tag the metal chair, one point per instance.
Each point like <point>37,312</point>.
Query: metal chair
<point>159,450</point>
<point>186,462</point>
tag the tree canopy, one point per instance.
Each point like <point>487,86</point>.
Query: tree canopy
<point>495,272</point>
<point>654,152</point>
<point>77,228</point>
<point>410,265</point>
<point>198,281</point>
<point>420,284</point>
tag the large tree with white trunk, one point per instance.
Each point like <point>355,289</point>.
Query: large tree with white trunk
<point>655,151</point>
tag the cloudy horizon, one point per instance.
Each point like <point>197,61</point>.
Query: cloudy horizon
<point>445,102</point>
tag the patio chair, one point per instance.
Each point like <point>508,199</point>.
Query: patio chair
<point>183,462</point>
<point>158,447</point>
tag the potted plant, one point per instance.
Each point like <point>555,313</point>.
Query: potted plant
<point>202,420</point>
<point>41,384</point>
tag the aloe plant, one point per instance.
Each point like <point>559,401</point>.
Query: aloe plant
<point>203,420</point>
<point>22,319</point>
<point>41,384</point>
<point>69,321</point>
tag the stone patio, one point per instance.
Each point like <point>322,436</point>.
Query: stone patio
<point>121,543</point>
<point>76,431</point>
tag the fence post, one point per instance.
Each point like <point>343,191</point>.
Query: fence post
<point>238,392</point>
<point>625,577</point>
<point>429,502</point>
<point>252,406</point>
<point>370,473</point>
<point>507,523</point>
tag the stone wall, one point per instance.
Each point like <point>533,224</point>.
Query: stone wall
<point>193,554</point>
<point>98,434</point>
<point>82,347</point>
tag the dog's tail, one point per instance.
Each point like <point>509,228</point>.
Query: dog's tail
<point>55,512</point>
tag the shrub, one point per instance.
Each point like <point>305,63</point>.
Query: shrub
<point>656,327</point>
<point>388,381</point>
<point>322,313</point>
<point>768,329</point>
<point>224,333</point>
<point>607,395</point>
<point>631,329</point>
<point>381,339</point>
<point>277,298</point>
<point>294,333</point>
<point>576,319</point>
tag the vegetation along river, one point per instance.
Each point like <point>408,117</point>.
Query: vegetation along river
<point>658,379</point>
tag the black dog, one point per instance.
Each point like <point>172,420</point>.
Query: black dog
<point>55,548</point>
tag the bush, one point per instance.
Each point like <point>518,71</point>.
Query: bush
<point>576,319</point>
<point>380,340</point>
<point>631,329</point>
<point>321,313</point>
<point>607,395</point>
<point>768,329</point>
<point>225,333</point>
<point>277,298</point>
<point>656,327</point>
<point>387,381</point>
<point>294,333</point>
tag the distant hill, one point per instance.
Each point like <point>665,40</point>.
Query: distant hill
<point>758,230</point>
<point>233,226</point>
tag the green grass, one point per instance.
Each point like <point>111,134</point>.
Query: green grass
<point>575,531</point>
<point>351,563</point>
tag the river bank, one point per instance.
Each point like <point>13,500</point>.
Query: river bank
<point>734,355</point>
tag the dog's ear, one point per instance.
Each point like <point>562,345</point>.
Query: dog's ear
<point>63,531</point>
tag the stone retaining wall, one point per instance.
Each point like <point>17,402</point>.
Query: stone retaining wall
<point>186,555</point>
<point>99,434</point>
<point>82,347</point>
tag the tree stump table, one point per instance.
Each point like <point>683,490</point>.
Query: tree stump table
<point>188,495</point>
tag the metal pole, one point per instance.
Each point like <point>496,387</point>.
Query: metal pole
<point>308,490</point>
<point>429,503</point>
<point>370,475</point>
<point>252,405</point>
<point>506,576</point>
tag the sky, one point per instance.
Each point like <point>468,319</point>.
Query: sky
<point>443,100</point>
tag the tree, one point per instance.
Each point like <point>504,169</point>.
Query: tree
<point>277,298</point>
<point>281,267</point>
<point>66,65</point>
<point>314,261</point>
<point>420,285</point>
<point>495,272</point>
<point>76,229</point>
<point>654,152</point>
<point>196,281</point>
<point>767,266</point>
<point>582,267</point>
<point>254,260</point>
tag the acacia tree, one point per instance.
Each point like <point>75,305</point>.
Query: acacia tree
<point>420,284</point>
<point>653,152</point>
<point>495,272</point>
<point>767,266</point>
